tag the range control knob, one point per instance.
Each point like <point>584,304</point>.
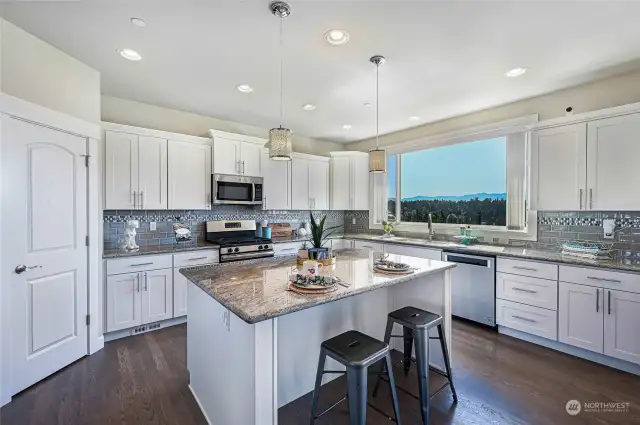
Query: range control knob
<point>266,247</point>
<point>259,247</point>
<point>230,250</point>
<point>236,250</point>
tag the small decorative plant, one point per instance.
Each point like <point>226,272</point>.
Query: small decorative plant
<point>303,252</point>
<point>319,234</point>
<point>387,226</point>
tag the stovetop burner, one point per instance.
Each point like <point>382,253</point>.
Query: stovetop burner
<point>238,240</point>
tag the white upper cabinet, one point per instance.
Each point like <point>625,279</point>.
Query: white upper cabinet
<point>277,183</point>
<point>152,173</point>
<point>349,181</point>
<point>121,171</point>
<point>236,154</point>
<point>613,149</point>
<point>309,182</point>
<point>559,156</point>
<point>189,175</point>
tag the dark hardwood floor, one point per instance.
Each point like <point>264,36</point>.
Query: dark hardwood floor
<point>500,380</point>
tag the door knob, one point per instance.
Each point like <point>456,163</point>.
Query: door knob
<point>22,268</point>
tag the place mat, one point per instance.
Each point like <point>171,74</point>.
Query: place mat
<point>298,290</point>
<point>390,273</point>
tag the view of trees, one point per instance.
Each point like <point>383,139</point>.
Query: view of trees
<point>491,212</point>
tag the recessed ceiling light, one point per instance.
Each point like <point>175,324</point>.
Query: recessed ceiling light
<point>138,22</point>
<point>130,54</point>
<point>414,118</point>
<point>515,72</point>
<point>244,88</point>
<point>336,37</point>
<point>309,107</point>
<point>347,126</point>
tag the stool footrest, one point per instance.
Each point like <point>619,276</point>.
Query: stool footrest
<point>334,371</point>
<point>331,407</point>
<point>409,393</point>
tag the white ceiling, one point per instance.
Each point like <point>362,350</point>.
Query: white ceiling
<point>444,58</point>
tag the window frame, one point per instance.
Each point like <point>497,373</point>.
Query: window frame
<point>495,130</point>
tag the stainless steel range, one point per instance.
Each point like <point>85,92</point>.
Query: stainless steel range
<point>238,240</point>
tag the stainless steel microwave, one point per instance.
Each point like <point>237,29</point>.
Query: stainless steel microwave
<point>240,190</point>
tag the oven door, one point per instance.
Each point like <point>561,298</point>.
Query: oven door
<point>229,189</point>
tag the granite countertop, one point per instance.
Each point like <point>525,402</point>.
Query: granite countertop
<point>556,256</point>
<point>296,238</point>
<point>257,290</point>
<point>158,249</point>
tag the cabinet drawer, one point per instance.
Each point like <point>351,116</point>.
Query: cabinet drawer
<point>412,251</point>
<point>527,290</point>
<point>139,263</point>
<point>525,318</point>
<point>527,268</point>
<point>620,281</point>
<point>195,258</point>
<point>289,248</point>
<point>378,247</point>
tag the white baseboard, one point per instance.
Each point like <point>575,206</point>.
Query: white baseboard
<point>123,333</point>
<point>574,351</point>
<point>199,405</point>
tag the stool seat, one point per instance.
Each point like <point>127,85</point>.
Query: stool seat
<point>415,318</point>
<point>355,348</point>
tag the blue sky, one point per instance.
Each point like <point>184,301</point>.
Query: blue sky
<point>454,170</point>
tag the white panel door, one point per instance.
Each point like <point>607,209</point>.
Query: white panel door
<point>44,228</point>
<point>559,161</point>
<point>152,173</point>
<point>613,148</point>
<point>121,171</point>
<point>123,309</point>
<point>277,183</point>
<point>360,183</point>
<point>319,185</point>
<point>621,325</point>
<point>179,294</point>
<point>300,184</point>
<point>250,154</point>
<point>226,156</point>
<point>157,295</point>
<point>189,176</point>
<point>580,316</point>
<point>340,184</point>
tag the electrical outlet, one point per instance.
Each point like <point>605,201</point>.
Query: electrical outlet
<point>152,226</point>
<point>353,220</point>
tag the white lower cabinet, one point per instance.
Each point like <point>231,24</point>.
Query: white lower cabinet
<point>580,316</point>
<point>413,251</point>
<point>622,325</point>
<point>182,260</point>
<point>369,245</point>
<point>157,295</point>
<point>532,291</point>
<point>123,307</point>
<point>526,318</point>
<point>179,294</point>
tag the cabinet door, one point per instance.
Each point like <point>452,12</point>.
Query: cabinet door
<point>179,294</point>
<point>250,157</point>
<point>412,251</point>
<point>300,184</point>
<point>621,330</point>
<point>340,184</point>
<point>580,316</point>
<point>157,295</point>
<point>559,161</point>
<point>360,183</point>
<point>121,171</point>
<point>226,156</point>
<point>613,149</point>
<point>152,173</point>
<point>189,176</point>
<point>319,185</point>
<point>277,183</point>
<point>123,301</point>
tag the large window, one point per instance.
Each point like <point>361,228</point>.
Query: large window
<point>458,184</point>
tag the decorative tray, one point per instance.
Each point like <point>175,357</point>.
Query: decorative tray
<point>391,267</point>
<point>312,282</point>
<point>586,249</point>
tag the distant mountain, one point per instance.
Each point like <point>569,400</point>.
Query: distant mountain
<point>481,196</point>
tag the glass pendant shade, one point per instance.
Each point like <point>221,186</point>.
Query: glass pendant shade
<point>280,144</point>
<point>377,161</point>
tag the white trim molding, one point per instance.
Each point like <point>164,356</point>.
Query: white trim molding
<point>141,131</point>
<point>616,111</point>
<point>235,136</point>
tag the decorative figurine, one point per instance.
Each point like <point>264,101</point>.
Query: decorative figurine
<point>130,235</point>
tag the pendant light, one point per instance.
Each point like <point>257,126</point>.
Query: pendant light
<point>280,138</point>
<point>377,156</point>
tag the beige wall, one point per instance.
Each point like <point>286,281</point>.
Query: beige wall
<point>138,114</point>
<point>616,91</point>
<point>39,73</point>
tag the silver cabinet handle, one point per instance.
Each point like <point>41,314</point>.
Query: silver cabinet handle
<point>580,198</point>
<point>525,268</point>
<point>138,281</point>
<point>609,303</point>
<point>146,282</point>
<point>597,300</point>
<point>141,199</point>
<point>526,319</point>
<point>242,167</point>
<point>528,291</point>
<point>134,198</point>
<point>197,258</point>
<point>602,279</point>
<point>590,199</point>
<point>22,268</point>
<point>141,264</point>
<point>264,202</point>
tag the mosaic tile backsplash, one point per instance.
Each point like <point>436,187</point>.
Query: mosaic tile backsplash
<point>115,221</point>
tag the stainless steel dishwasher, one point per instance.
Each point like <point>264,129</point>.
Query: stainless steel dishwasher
<point>473,287</point>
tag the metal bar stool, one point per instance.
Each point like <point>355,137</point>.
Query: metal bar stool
<point>356,351</point>
<point>415,326</point>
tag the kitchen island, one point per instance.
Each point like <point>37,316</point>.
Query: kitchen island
<point>253,346</point>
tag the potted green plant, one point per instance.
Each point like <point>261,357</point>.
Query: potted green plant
<point>303,252</point>
<point>319,236</point>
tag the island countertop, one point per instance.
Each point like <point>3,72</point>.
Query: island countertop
<point>257,290</point>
